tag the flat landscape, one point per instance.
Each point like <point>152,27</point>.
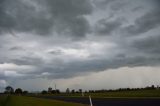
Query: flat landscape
<point>30,101</point>
<point>110,101</point>
<point>114,98</point>
<point>115,94</point>
<point>79,52</point>
<point>110,98</point>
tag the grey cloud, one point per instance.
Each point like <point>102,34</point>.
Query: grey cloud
<point>149,44</point>
<point>27,60</point>
<point>67,17</point>
<point>106,27</point>
<point>145,23</point>
<point>118,5</point>
<point>103,3</point>
<point>20,16</point>
<point>108,1</point>
<point>15,48</point>
<point>77,67</point>
<point>43,17</point>
<point>137,8</point>
<point>56,52</point>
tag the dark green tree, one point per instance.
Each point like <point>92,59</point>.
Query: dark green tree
<point>9,90</point>
<point>25,92</point>
<point>44,92</point>
<point>18,91</point>
<point>73,91</point>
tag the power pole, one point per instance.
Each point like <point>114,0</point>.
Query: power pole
<point>55,89</point>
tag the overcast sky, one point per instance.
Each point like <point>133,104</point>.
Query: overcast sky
<point>88,44</point>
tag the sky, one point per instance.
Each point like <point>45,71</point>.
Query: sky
<point>87,44</point>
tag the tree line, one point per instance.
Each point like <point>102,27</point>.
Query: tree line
<point>10,90</point>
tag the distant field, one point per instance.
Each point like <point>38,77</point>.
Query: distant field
<point>140,93</point>
<point>30,101</point>
<point>40,101</point>
<point>116,94</point>
<point>114,98</point>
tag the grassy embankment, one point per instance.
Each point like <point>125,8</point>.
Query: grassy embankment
<point>30,101</point>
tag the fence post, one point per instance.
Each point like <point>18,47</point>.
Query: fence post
<point>90,99</point>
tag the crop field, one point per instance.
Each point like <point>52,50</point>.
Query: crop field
<point>138,94</point>
<point>30,101</point>
<point>113,98</point>
<point>115,94</point>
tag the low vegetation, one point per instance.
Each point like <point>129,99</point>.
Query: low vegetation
<point>30,101</point>
<point>3,100</point>
<point>18,97</point>
<point>114,94</point>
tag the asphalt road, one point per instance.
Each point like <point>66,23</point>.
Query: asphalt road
<point>109,101</point>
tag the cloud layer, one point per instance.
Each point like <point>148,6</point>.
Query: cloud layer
<point>57,39</point>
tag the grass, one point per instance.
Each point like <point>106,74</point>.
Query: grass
<point>30,101</point>
<point>137,94</point>
<point>3,100</point>
<point>118,94</point>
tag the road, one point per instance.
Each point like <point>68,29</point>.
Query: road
<point>109,101</point>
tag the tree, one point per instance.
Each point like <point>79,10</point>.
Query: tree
<point>73,91</point>
<point>80,90</point>
<point>25,92</point>
<point>67,90</point>
<point>152,87</point>
<point>44,92</point>
<point>53,91</point>
<point>18,91</point>
<point>58,91</point>
<point>9,90</point>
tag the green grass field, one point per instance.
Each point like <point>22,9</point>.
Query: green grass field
<point>30,101</point>
<point>3,100</point>
<point>140,93</point>
<point>118,94</point>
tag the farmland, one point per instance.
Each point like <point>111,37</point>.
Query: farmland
<point>30,101</point>
<point>111,98</point>
<point>115,94</point>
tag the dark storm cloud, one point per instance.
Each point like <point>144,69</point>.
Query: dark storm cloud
<point>43,17</point>
<point>56,52</point>
<point>118,5</point>
<point>108,1</point>
<point>27,60</point>
<point>77,68</point>
<point>103,3</point>
<point>69,15</point>
<point>20,16</point>
<point>149,45</point>
<point>15,48</point>
<point>106,27</point>
<point>145,23</point>
<point>59,57</point>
